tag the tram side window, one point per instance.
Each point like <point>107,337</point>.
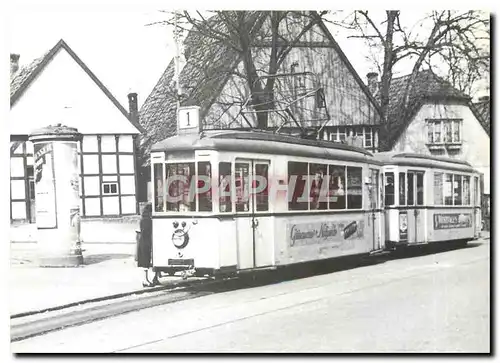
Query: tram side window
<point>448,186</point>
<point>180,195</point>
<point>204,189</point>
<point>466,190</point>
<point>438,188</point>
<point>457,189</point>
<point>225,187</point>
<point>159,203</point>
<point>297,191</point>
<point>402,190</point>
<point>420,189</point>
<point>242,180</point>
<point>389,188</point>
<point>354,188</point>
<point>410,188</point>
<point>318,195</point>
<point>337,187</point>
<point>261,191</point>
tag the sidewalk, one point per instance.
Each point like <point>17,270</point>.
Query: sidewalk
<point>108,269</point>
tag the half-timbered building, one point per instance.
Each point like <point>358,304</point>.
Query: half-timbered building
<point>59,88</point>
<point>342,109</point>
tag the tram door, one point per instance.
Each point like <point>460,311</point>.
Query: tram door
<point>255,232</point>
<point>415,202</point>
<point>375,214</point>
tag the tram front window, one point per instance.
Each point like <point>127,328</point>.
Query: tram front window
<point>225,204</point>
<point>180,192</point>
<point>204,190</point>
<point>159,203</point>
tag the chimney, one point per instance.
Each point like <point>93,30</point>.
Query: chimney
<point>14,63</point>
<point>132,107</point>
<point>484,99</point>
<point>372,81</point>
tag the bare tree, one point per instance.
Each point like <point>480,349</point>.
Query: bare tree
<point>242,31</point>
<point>454,40</point>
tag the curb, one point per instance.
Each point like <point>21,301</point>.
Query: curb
<point>93,300</point>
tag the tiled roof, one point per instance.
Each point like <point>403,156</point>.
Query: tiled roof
<point>483,109</point>
<point>207,69</point>
<point>22,75</point>
<point>427,87</point>
<point>22,79</point>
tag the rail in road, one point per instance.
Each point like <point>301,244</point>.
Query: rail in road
<point>27,325</point>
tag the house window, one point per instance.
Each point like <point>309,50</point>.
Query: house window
<point>338,134</point>
<point>368,136</point>
<point>444,131</point>
<point>109,188</point>
<point>456,131</point>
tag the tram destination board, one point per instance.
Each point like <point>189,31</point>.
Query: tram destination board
<point>452,220</point>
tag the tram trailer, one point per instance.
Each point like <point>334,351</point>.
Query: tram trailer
<point>429,199</point>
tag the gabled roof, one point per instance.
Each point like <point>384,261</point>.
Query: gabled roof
<point>23,78</point>
<point>428,87</point>
<point>483,109</point>
<point>208,67</point>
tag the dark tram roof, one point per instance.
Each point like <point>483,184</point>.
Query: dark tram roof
<point>412,159</point>
<point>262,142</point>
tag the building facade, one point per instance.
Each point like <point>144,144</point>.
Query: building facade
<point>60,88</point>
<point>441,121</point>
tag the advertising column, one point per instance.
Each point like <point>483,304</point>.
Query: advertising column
<point>57,196</point>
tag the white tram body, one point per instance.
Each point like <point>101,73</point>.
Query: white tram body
<point>429,199</point>
<point>236,223</point>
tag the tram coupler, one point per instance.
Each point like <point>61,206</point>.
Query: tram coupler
<point>188,273</point>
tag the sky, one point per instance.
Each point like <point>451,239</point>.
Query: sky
<point>115,42</point>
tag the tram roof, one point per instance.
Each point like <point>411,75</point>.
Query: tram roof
<point>263,142</point>
<point>412,159</point>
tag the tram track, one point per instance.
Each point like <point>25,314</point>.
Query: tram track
<point>31,324</point>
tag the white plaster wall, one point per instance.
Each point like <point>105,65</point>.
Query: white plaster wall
<point>126,163</point>
<point>110,206</point>
<point>475,141</point>
<point>125,143</point>
<point>109,164</point>
<point>18,210</point>
<point>92,207</point>
<point>16,167</point>
<point>17,190</point>
<point>127,184</point>
<point>128,205</point>
<point>108,143</point>
<point>64,93</point>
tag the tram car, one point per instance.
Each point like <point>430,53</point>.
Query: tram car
<point>226,202</point>
<point>429,199</point>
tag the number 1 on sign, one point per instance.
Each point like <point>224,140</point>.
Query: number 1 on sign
<point>187,119</point>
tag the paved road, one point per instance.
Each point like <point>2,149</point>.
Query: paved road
<point>426,303</point>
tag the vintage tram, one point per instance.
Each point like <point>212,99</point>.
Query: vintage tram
<point>231,201</point>
<point>429,199</point>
